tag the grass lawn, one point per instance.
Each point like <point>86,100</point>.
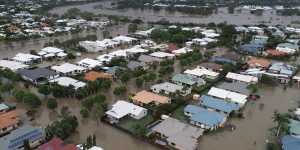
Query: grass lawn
<point>129,123</point>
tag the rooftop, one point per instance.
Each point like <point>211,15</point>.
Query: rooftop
<point>12,65</point>
<point>93,76</point>
<point>8,119</point>
<point>167,86</point>
<point>122,108</point>
<point>57,144</point>
<point>187,79</point>
<point>146,97</point>
<point>228,95</point>
<point>241,77</point>
<point>218,104</point>
<point>238,87</point>
<point>37,73</point>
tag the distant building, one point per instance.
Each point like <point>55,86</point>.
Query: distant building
<point>12,65</point>
<point>219,105</point>
<point>252,49</point>
<point>68,82</point>
<point>170,88</point>
<point>9,121</point>
<point>27,59</point>
<point>93,76</point>
<point>68,69</point>
<point>38,75</point>
<point>146,98</point>
<point>235,77</point>
<point>187,80</point>
<point>57,144</point>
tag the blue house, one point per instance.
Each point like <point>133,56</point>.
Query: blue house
<point>252,49</point>
<point>15,140</point>
<point>217,104</point>
<point>290,142</point>
<point>204,118</point>
<point>228,58</point>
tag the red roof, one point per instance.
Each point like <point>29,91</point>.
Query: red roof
<point>172,47</point>
<point>273,52</point>
<point>57,144</point>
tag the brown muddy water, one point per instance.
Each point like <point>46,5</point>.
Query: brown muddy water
<point>251,133</point>
<point>242,17</point>
<point>11,48</point>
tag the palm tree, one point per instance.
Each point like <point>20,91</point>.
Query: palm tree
<point>282,121</point>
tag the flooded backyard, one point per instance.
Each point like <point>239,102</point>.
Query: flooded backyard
<point>149,15</point>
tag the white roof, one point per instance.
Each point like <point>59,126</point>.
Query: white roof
<point>67,67</point>
<point>91,63</point>
<point>22,57</point>
<point>52,50</point>
<point>67,81</point>
<point>61,54</point>
<point>123,38</point>
<point>183,50</point>
<point>297,111</point>
<point>201,71</point>
<point>162,54</point>
<point>228,95</point>
<point>241,77</point>
<point>95,148</point>
<point>136,50</point>
<point>105,58</point>
<point>122,108</point>
<point>12,65</point>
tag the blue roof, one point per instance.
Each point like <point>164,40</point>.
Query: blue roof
<point>251,48</point>
<point>223,60</point>
<point>290,142</point>
<point>218,104</point>
<point>203,116</point>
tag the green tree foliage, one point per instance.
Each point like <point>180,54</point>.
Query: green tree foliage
<point>132,28</point>
<point>84,112</point>
<point>120,90</point>
<point>139,82</point>
<point>44,89</point>
<point>27,98</point>
<point>139,130</point>
<point>52,104</point>
<point>282,121</point>
<point>63,128</point>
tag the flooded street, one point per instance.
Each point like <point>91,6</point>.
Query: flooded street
<point>252,132</point>
<point>150,15</point>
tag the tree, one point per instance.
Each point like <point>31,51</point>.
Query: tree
<point>125,77</point>
<point>52,104</point>
<point>120,90</point>
<point>282,121</point>
<point>27,145</point>
<point>44,89</point>
<point>132,28</point>
<point>139,82</point>
<point>84,112</point>
<point>63,128</point>
<point>99,111</point>
<point>139,130</point>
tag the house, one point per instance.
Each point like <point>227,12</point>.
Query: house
<point>148,59</point>
<point>281,71</point>
<point>68,69</point>
<point>4,108</point>
<point>125,40</point>
<point>57,144</point>
<point>202,73</point>
<point>218,105</point>
<point>136,50</point>
<point>67,82</point>
<point>96,46</point>
<point>252,49</point>
<point>12,65</point>
<point>290,142</point>
<point>294,127</point>
<point>259,40</point>
<point>212,66</point>
<point>15,140</point>
<point>122,108</point>
<point>275,53</point>
<point>162,55</point>
<point>93,76</point>
<point>238,87</point>
<point>235,77</point>
<point>145,98</point>
<point>228,58</point>
<point>133,65</point>
<point>177,134</point>
<point>255,62</point>
<point>296,79</point>
<point>49,52</point>
<point>37,75</point>
<point>228,95</point>
<point>170,88</point>
<point>89,63</point>
<point>287,48</point>
<point>187,80</point>
<point>205,119</point>
<point>181,51</point>
<point>27,59</point>
<point>9,121</point>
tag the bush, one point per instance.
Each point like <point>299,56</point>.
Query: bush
<point>52,104</point>
<point>84,112</point>
<point>120,90</point>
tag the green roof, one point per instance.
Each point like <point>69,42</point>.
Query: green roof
<point>294,127</point>
<point>187,79</point>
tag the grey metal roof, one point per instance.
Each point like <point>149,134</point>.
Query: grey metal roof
<point>148,59</point>
<point>167,86</point>
<point>183,135</point>
<point>37,73</point>
<point>135,64</point>
<point>238,87</point>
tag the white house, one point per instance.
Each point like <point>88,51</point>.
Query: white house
<point>235,77</point>
<point>12,65</point>
<point>49,52</point>
<point>67,81</point>
<point>181,51</point>
<point>170,88</point>
<point>202,72</point>
<point>68,69</point>
<point>89,63</point>
<point>27,58</point>
<point>122,108</point>
<point>124,39</point>
<point>162,55</point>
<point>96,46</point>
<point>287,48</point>
<point>228,95</point>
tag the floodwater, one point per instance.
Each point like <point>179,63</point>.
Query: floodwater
<point>149,15</point>
<point>252,132</point>
<point>11,48</point>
